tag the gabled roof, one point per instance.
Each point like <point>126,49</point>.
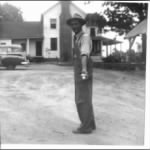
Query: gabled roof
<point>20,30</point>
<point>51,8</point>
<point>141,28</point>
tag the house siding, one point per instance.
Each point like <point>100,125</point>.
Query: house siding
<point>42,31</point>
<point>49,33</point>
<point>61,12</point>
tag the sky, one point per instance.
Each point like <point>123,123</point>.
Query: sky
<point>32,10</point>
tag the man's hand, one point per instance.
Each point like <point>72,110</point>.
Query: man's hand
<point>84,75</point>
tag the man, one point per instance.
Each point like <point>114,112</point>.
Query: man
<point>82,75</point>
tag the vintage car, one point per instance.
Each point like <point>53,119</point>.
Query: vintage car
<point>12,56</point>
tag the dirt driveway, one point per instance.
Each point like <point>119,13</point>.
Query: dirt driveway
<point>37,107</point>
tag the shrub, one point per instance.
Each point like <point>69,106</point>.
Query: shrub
<point>111,58</point>
<point>115,57</point>
<point>131,55</point>
<point>138,56</point>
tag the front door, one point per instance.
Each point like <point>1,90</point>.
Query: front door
<point>38,48</point>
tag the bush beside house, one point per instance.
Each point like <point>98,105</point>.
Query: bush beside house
<point>119,60</point>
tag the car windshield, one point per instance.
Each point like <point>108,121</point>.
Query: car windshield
<point>10,49</point>
<point>16,50</point>
<point>3,49</point>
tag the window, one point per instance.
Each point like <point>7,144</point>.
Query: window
<point>92,32</point>
<point>53,44</point>
<point>53,23</point>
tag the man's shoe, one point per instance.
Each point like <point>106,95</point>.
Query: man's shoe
<point>79,131</point>
<point>93,126</point>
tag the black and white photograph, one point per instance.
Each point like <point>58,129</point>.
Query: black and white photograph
<point>74,74</point>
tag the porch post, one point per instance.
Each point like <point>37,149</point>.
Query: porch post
<point>106,50</point>
<point>110,49</point>
<point>120,47</point>
<point>131,42</point>
<point>101,48</point>
<point>28,49</point>
<point>115,47</point>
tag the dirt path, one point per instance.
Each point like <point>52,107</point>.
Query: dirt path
<point>37,107</point>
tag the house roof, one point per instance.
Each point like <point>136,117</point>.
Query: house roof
<point>53,6</point>
<point>141,28</point>
<point>106,41</point>
<point>60,3</point>
<point>20,30</point>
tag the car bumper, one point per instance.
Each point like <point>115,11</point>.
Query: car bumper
<point>25,63</point>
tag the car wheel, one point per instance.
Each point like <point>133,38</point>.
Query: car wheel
<point>11,67</point>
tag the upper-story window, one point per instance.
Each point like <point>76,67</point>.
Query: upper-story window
<point>53,23</point>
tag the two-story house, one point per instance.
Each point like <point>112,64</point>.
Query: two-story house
<point>50,37</point>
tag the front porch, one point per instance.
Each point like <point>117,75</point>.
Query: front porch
<point>32,46</point>
<point>100,41</point>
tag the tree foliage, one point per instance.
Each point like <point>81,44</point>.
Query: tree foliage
<point>95,19</point>
<point>10,13</point>
<point>122,17</point>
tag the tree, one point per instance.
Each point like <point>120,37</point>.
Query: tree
<point>10,13</point>
<point>122,17</point>
<point>95,19</point>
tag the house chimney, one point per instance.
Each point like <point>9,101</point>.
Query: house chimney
<point>65,33</point>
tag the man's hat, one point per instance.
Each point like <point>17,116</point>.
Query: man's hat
<point>76,17</point>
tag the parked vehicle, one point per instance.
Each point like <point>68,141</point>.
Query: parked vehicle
<point>12,56</point>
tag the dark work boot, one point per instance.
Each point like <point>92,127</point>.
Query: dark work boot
<point>82,131</point>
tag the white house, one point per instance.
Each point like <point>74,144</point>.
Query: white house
<point>55,30</point>
<point>51,37</point>
<point>42,38</point>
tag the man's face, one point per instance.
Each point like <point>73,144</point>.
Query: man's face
<point>76,26</point>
